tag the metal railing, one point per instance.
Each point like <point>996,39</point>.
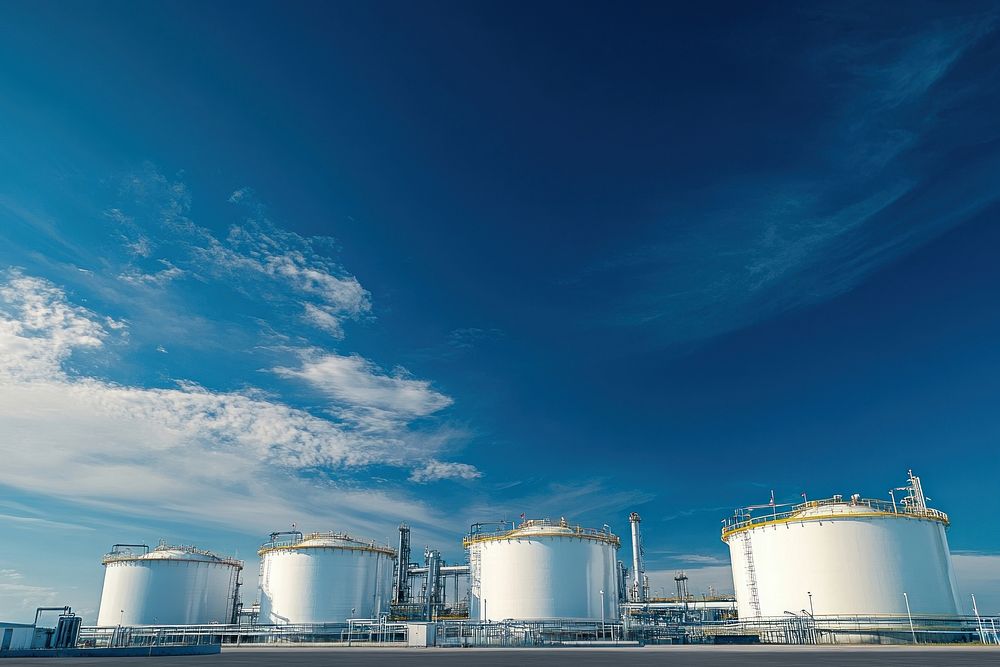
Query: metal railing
<point>346,542</point>
<point>118,556</point>
<point>511,634</point>
<point>355,631</point>
<point>646,628</point>
<point>873,629</point>
<point>744,517</point>
<point>544,528</point>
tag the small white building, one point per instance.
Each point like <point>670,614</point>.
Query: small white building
<point>16,637</point>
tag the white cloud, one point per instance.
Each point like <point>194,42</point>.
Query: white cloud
<point>135,242</point>
<point>700,559</point>
<point>259,247</point>
<point>267,252</point>
<point>45,331</point>
<point>369,392</point>
<point>765,243</point>
<point>232,458</point>
<point>438,470</point>
<point>239,195</point>
<point>322,318</point>
<point>18,598</point>
<point>157,278</point>
<point>256,255</point>
<point>40,523</point>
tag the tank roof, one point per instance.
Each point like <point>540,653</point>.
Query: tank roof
<point>539,528</point>
<point>826,509</point>
<point>912,506</point>
<point>329,540</point>
<point>171,553</point>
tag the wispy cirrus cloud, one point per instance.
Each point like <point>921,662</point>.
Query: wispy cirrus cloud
<point>40,523</point>
<point>242,458</point>
<point>303,448</point>
<point>158,278</point>
<point>162,240</point>
<point>357,383</point>
<point>41,329</point>
<point>18,596</point>
<point>438,470</point>
<point>758,245</point>
<point>323,319</point>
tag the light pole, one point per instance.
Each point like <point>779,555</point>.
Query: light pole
<point>812,612</point>
<point>906,599</point>
<point>811,635</point>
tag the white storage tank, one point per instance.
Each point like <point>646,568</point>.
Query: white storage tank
<point>170,585</point>
<point>853,557</point>
<point>542,570</point>
<point>323,578</point>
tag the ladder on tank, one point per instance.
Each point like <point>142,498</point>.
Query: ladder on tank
<point>474,581</point>
<point>751,574</point>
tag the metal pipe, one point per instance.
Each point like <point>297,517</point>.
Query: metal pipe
<point>432,595</point>
<point>399,595</point>
<point>637,587</point>
<point>114,547</point>
<point>275,534</point>
<point>415,570</point>
<point>39,610</point>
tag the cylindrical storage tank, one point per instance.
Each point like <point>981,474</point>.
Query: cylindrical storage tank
<point>170,585</point>
<point>543,570</point>
<point>324,578</point>
<point>836,557</point>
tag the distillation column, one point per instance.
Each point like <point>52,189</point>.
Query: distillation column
<point>399,595</point>
<point>638,589</point>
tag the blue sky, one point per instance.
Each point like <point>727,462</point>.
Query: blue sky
<point>352,265</point>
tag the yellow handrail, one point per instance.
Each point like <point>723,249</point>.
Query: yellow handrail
<point>742,519</point>
<point>559,529</point>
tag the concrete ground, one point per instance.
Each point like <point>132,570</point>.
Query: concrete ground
<point>671,656</point>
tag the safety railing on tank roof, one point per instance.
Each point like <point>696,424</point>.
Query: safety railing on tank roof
<point>349,542</point>
<point>116,556</point>
<point>477,534</point>
<point>744,518</point>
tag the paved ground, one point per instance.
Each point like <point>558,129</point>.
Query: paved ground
<point>670,656</point>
